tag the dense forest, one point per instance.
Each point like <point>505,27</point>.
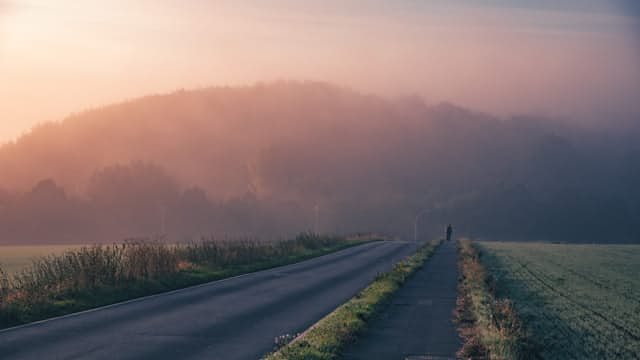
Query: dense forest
<point>256,161</point>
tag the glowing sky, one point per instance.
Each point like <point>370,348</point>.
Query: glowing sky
<point>580,58</point>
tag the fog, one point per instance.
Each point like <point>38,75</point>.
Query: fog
<point>511,120</point>
<point>255,161</point>
<point>570,59</point>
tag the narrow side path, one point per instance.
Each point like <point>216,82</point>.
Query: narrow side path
<point>418,321</point>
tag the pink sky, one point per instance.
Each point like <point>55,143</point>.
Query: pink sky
<point>577,61</point>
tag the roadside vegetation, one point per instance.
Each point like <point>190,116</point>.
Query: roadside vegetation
<point>488,325</point>
<point>328,337</point>
<point>576,301</point>
<point>92,276</point>
<point>14,258</point>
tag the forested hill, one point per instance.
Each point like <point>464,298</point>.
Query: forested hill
<point>256,160</point>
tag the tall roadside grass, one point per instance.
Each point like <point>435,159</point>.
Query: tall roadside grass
<point>328,337</point>
<point>97,275</point>
<point>489,326</point>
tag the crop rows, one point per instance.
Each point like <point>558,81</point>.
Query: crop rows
<point>578,301</point>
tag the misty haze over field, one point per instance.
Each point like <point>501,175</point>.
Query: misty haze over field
<point>256,160</point>
<point>509,119</point>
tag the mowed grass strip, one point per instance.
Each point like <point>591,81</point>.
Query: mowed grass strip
<point>488,325</point>
<point>328,337</point>
<point>93,276</point>
<point>577,301</point>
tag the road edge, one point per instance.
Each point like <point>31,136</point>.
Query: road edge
<point>327,337</point>
<point>175,291</point>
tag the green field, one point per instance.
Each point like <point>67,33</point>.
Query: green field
<point>15,258</point>
<point>577,301</point>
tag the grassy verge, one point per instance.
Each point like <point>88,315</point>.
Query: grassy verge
<point>489,326</point>
<point>327,338</point>
<point>90,277</point>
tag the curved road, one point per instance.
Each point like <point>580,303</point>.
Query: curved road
<point>236,318</point>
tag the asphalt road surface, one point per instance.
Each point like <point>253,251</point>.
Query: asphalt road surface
<point>237,318</point>
<point>418,322</point>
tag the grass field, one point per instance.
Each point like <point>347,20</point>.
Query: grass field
<point>577,301</point>
<point>15,258</point>
<point>86,277</point>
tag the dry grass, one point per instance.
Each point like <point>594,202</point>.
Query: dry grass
<point>14,258</point>
<point>98,275</point>
<point>489,327</point>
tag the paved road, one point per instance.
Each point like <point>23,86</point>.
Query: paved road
<point>418,321</point>
<point>230,319</point>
